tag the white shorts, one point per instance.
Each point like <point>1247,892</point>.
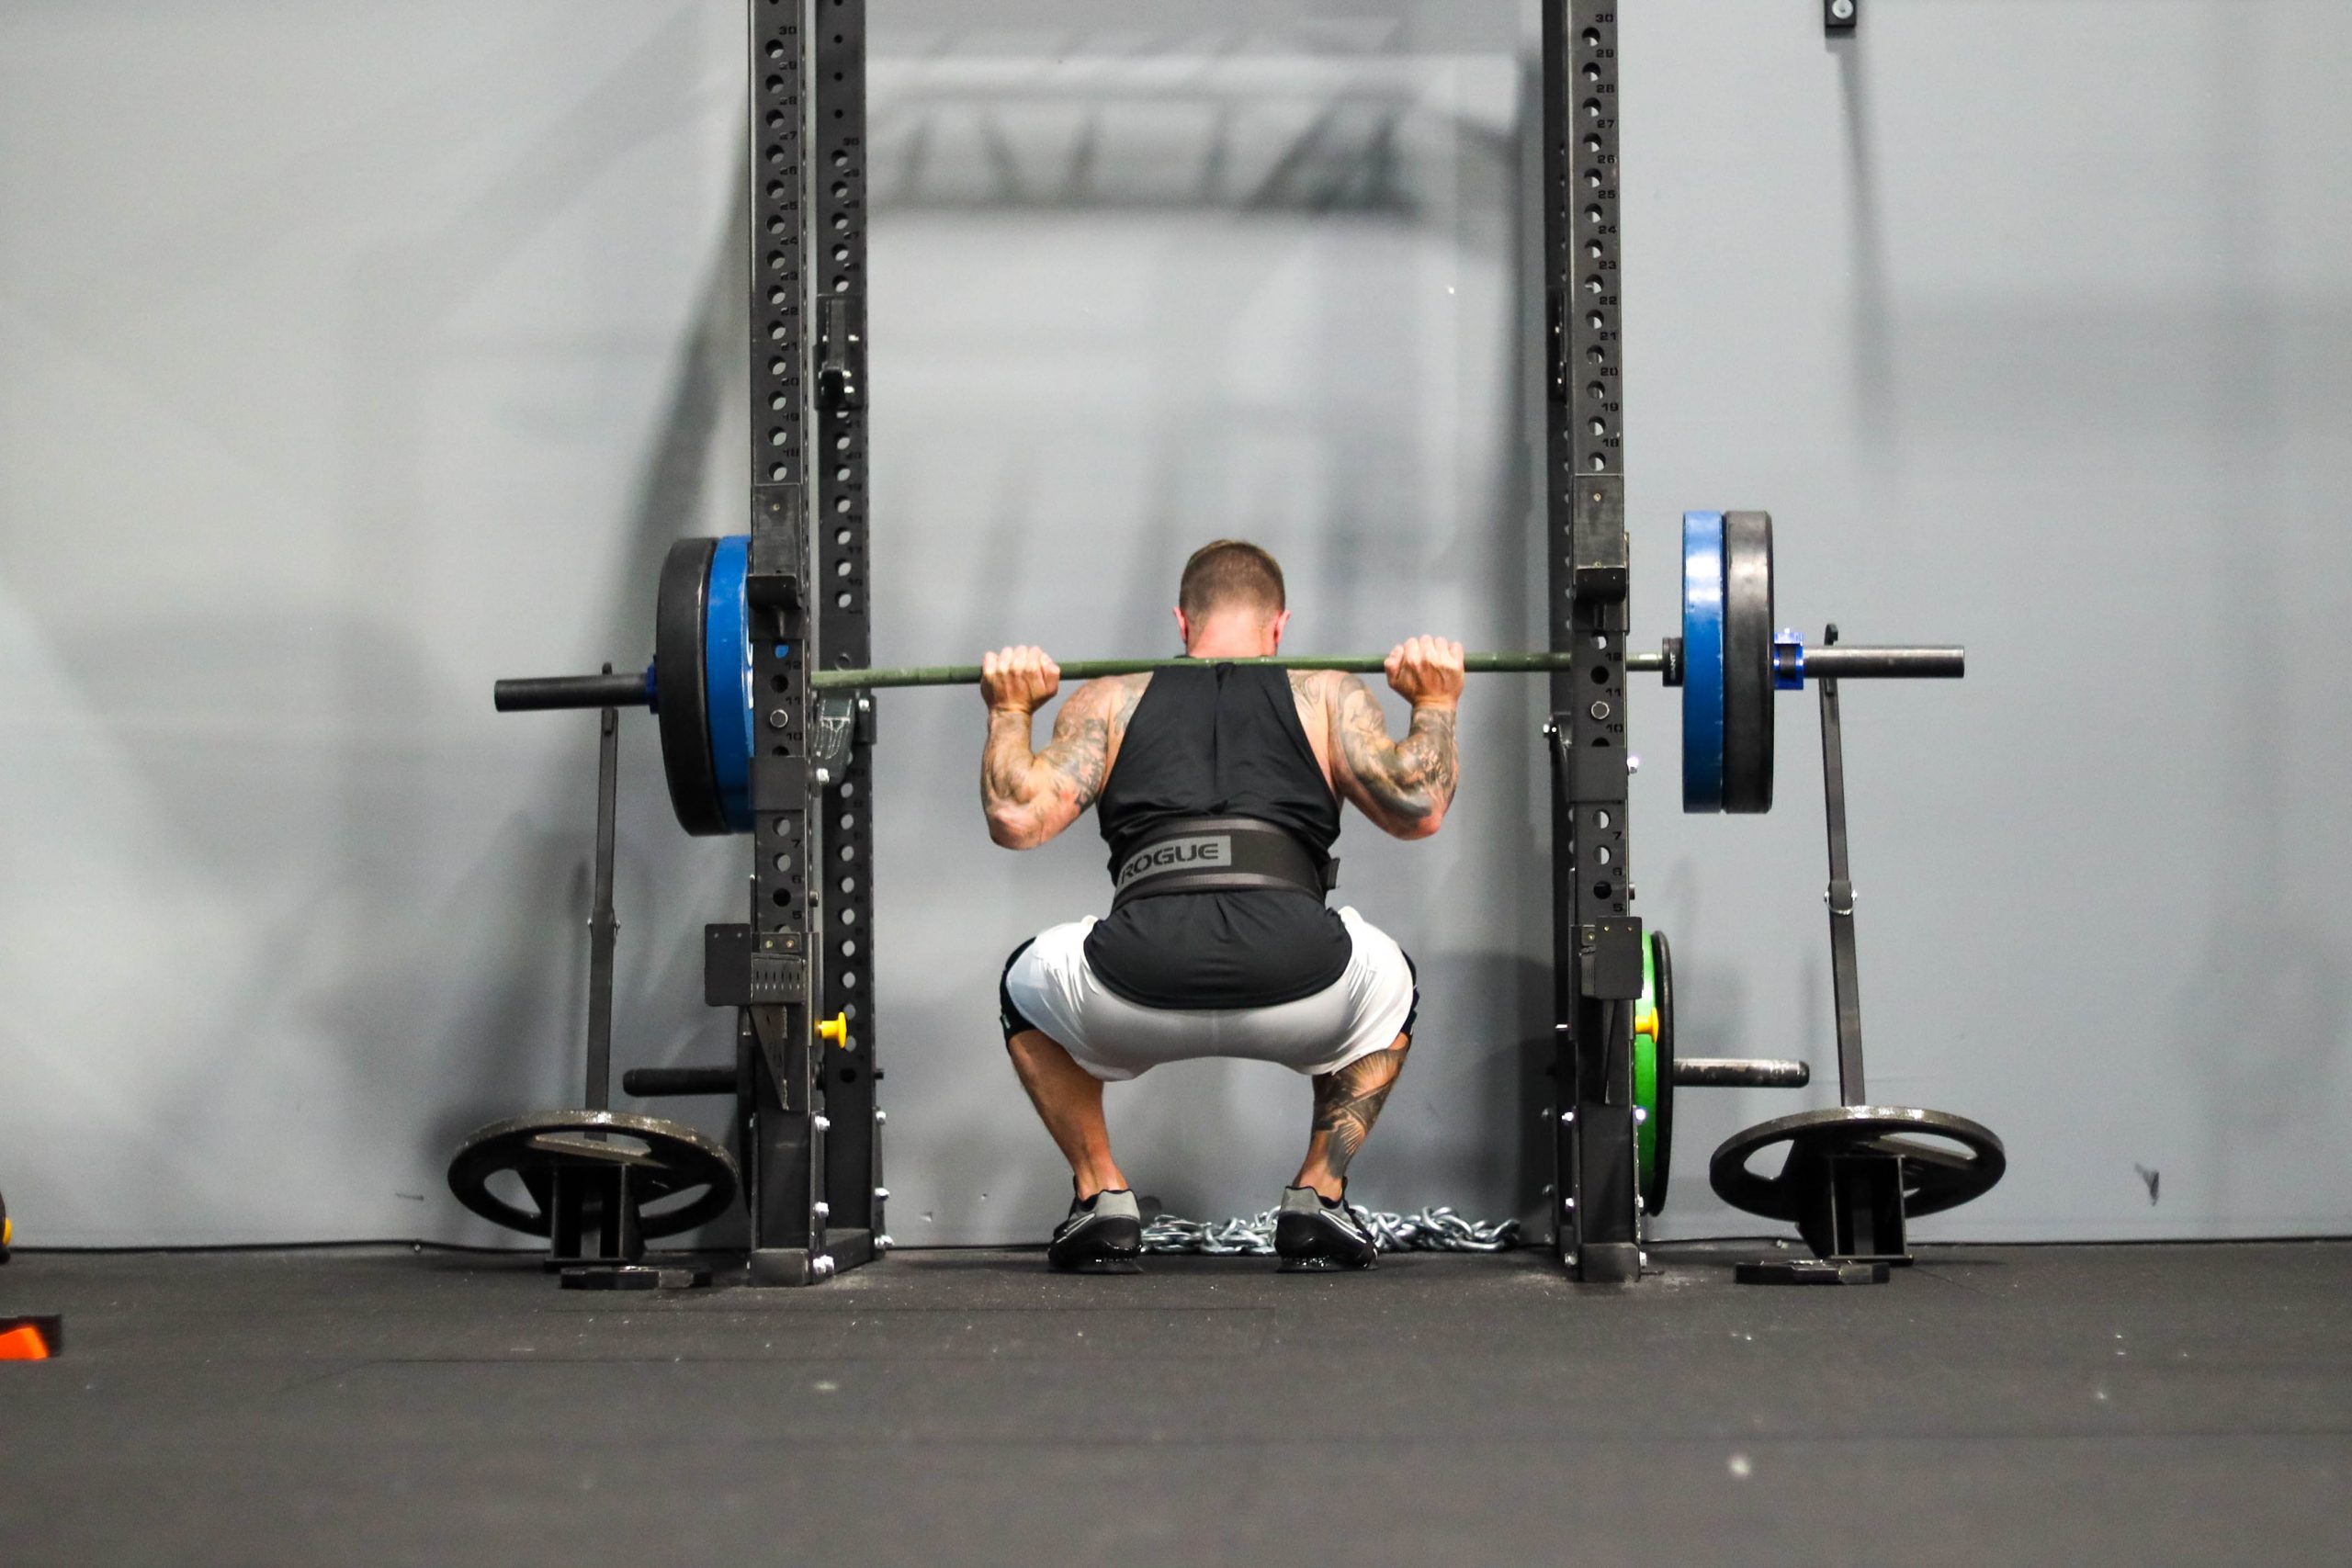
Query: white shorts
<point>1055,989</point>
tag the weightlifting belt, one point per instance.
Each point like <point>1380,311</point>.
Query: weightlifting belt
<point>1220,854</point>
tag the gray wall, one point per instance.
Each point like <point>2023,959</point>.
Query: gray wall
<point>351,356</point>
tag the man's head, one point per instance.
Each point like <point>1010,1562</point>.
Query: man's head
<point>1230,603</point>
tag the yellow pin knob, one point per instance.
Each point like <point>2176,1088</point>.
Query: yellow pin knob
<point>834,1031</point>
<point>1646,1021</point>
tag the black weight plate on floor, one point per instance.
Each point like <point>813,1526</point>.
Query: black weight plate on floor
<point>1747,662</point>
<point>1935,1177</point>
<point>675,1159</point>
<point>1662,1162</point>
<point>681,689</point>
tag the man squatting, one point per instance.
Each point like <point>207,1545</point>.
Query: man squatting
<point>1218,786</point>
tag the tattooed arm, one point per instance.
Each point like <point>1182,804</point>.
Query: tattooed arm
<point>1402,786</point>
<point>1030,796</point>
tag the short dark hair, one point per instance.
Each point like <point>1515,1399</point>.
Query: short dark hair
<point>1225,571</point>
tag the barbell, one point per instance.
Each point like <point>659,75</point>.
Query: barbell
<point>1729,662</point>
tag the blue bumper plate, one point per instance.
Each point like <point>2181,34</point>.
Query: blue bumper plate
<point>1703,661</point>
<point>726,663</point>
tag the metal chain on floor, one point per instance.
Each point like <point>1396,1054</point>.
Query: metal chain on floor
<point>1432,1230</point>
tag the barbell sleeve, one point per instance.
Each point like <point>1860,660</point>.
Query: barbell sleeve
<point>1715,1072</point>
<point>535,693</point>
<point>1845,664</point>
<point>654,1083</point>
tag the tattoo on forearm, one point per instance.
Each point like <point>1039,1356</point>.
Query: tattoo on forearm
<point>1428,755</point>
<point>1410,778</point>
<point>1004,765</point>
<point>1348,1102</point>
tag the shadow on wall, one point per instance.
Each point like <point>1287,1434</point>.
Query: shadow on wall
<point>988,141</point>
<point>2266,1016</point>
<point>666,885</point>
<point>367,909</point>
<point>2231,364</point>
<point>512,1047</point>
<point>954,138</point>
<point>1333,454</point>
<point>1875,385</point>
<point>2262,1020</point>
<point>943,145</point>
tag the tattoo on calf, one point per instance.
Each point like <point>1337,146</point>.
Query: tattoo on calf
<point>1348,1102</point>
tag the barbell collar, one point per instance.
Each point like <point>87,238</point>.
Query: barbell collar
<point>532,693</point>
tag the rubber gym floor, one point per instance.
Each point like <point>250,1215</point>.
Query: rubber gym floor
<point>2124,1405</point>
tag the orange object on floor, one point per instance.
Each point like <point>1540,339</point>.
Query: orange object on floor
<point>26,1344</point>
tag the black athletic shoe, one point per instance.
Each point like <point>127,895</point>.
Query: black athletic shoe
<point>1312,1232</point>
<point>1101,1235</point>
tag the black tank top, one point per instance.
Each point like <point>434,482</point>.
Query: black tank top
<point>1217,740</point>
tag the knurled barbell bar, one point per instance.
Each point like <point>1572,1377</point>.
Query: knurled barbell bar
<point>1729,662</point>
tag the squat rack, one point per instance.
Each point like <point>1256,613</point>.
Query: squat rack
<point>814,1174</point>
<point>815,1153</point>
<point>798,777</point>
<point>814,1130</point>
<point>751,746</point>
<point>1596,944</point>
<point>763,685</point>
